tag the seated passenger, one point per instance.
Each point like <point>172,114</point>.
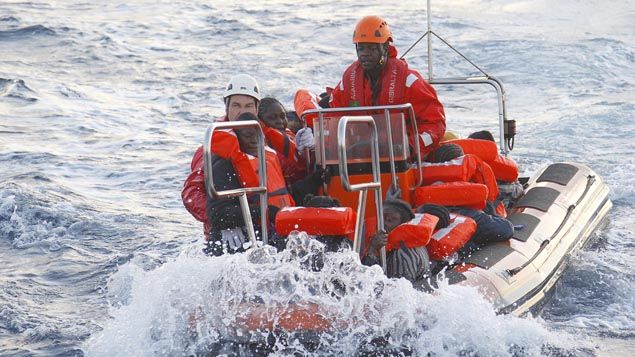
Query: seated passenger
<point>280,138</point>
<point>228,233</point>
<point>489,226</point>
<point>225,215</point>
<point>410,263</point>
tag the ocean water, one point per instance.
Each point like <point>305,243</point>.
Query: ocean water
<point>103,103</point>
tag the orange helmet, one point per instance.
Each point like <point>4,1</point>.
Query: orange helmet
<point>372,29</point>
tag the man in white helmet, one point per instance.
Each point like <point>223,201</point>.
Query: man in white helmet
<point>242,95</point>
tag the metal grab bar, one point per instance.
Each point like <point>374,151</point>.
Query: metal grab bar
<point>240,192</point>
<point>505,145</point>
<point>387,109</point>
<point>362,187</point>
<point>500,94</point>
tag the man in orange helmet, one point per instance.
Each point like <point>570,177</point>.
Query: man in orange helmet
<point>378,77</point>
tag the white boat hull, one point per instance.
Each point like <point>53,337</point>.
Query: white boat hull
<point>563,204</point>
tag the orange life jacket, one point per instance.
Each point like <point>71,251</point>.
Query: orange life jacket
<point>485,149</point>
<point>332,221</point>
<point>460,194</point>
<point>226,146</point>
<point>277,192</point>
<point>485,175</point>
<point>414,233</point>
<point>305,100</point>
<point>282,142</point>
<point>504,168</point>
<point>448,240</point>
<point>460,169</point>
<point>393,84</point>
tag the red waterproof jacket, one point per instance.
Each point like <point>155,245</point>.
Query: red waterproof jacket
<point>227,147</point>
<point>399,85</point>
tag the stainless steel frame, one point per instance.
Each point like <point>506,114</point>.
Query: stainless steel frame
<point>241,193</point>
<point>505,147</point>
<point>362,187</point>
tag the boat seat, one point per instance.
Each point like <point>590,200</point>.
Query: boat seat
<point>528,223</point>
<point>490,254</point>
<point>540,198</point>
<point>558,173</point>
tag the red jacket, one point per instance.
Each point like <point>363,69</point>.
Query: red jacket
<point>399,85</point>
<point>227,147</point>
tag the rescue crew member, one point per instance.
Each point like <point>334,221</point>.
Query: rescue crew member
<point>378,77</point>
<point>241,95</point>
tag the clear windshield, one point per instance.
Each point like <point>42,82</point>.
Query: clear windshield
<point>358,139</point>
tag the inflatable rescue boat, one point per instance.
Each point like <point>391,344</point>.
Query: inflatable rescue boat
<point>554,215</point>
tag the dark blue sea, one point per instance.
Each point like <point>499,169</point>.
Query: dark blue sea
<point>102,105</point>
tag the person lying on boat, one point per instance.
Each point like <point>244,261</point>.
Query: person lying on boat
<point>409,261</point>
<point>378,77</point>
<point>490,227</point>
<point>274,117</point>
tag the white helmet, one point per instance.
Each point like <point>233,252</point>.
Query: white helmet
<point>242,84</point>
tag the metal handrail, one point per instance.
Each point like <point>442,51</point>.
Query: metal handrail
<point>505,146</point>
<point>362,187</point>
<point>500,94</point>
<point>240,192</point>
<point>387,110</point>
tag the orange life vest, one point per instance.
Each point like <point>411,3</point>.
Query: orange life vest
<point>305,100</point>
<point>460,169</point>
<point>414,233</point>
<point>332,221</point>
<point>485,149</point>
<point>282,142</point>
<point>277,192</point>
<point>226,146</point>
<point>448,240</point>
<point>393,83</point>
<point>461,194</point>
<point>504,168</point>
<point>485,175</point>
